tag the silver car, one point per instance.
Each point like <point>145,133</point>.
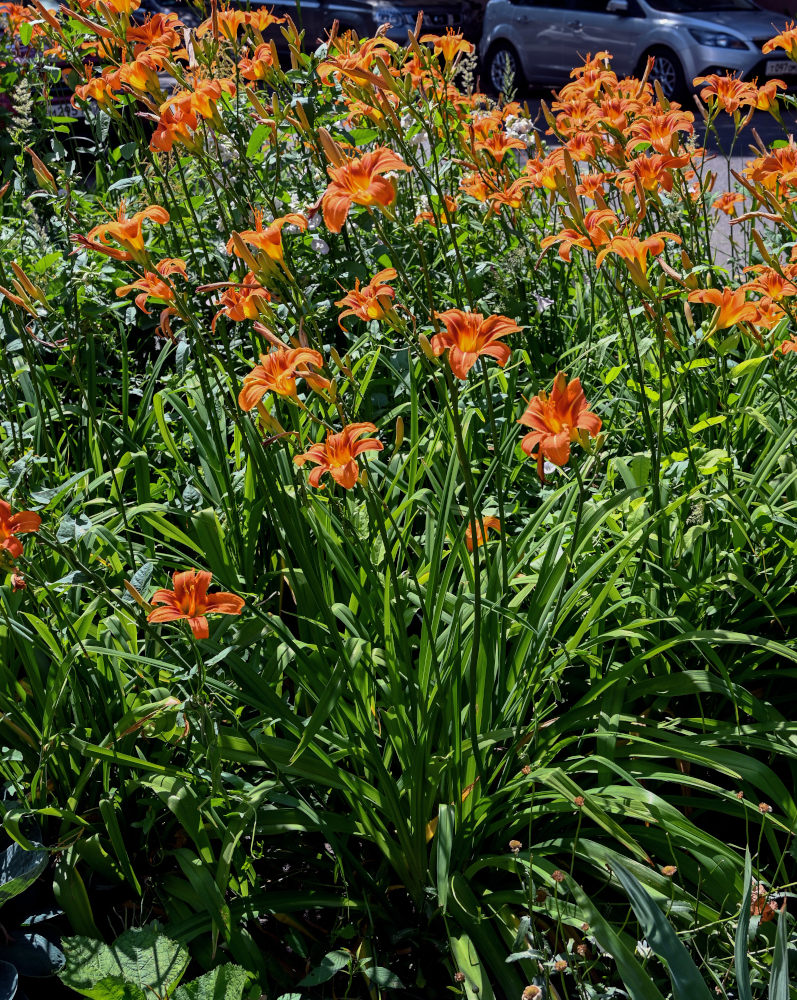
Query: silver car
<point>540,41</point>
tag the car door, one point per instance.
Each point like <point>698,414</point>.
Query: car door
<point>588,27</point>
<point>536,32</point>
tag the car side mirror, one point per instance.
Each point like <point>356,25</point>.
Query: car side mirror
<point>617,7</point>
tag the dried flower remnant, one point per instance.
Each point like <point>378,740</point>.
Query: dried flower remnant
<point>760,904</point>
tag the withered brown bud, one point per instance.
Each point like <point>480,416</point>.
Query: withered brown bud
<point>558,876</point>
<point>514,846</point>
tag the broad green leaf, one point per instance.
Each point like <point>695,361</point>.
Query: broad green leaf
<point>19,869</point>
<point>141,962</point>
<point>227,982</point>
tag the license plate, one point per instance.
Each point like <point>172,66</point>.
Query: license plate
<point>63,109</point>
<point>781,67</point>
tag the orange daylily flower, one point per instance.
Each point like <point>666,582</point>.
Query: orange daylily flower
<point>449,44</point>
<point>154,286</point>
<point>544,172</point>
<point>160,29</point>
<point>617,112</point>
<point>579,115</point>
<point>661,130</point>
<point>372,301</point>
<point>767,96</point>
<point>141,74</point>
<point>513,195</point>
<point>771,283</point>
<point>777,168</point>
<point>337,455</point>
<point>468,336</point>
<point>230,21</point>
<point>125,231</point>
<point>498,145</point>
<point>597,225</point>
<point>11,525</point>
<point>490,523</point>
<point>102,89</point>
<point>731,306</point>
<point>269,240</point>
<point>635,253</point>
<point>582,146</point>
<point>277,373</point>
<point>556,421</point>
<point>259,66</point>
<point>768,314</point>
<point>651,171</point>
<point>190,600</point>
<point>240,300</point>
<point>727,202</point>
<point>445,212</point>
<point>728,92</point>
<point>202,100</point>
<point>359,181</point>
<point>592,184</point>
<point>352,60</point>
<point>786,40</point>
<point>122,6</point>
<point>475,185</point>
<point>788,346</point>
<point>176,124</point>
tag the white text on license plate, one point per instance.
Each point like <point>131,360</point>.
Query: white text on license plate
<point>781,67</point>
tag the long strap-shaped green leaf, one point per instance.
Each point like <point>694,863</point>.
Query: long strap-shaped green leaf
<point>742,931</point>
<point>687,983</point>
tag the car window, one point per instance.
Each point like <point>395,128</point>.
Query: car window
<point>592,6</point>
<point>694,6</point>
<point>599,7</point>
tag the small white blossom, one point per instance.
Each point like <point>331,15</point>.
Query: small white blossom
<point>319,246</point>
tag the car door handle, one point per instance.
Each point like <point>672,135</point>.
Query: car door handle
<point>523,19</point>
<point>575,25</point>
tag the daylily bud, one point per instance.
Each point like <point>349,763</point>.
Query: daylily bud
<point>43,175</point>
<point>399,432</point>
<point>426,347</point>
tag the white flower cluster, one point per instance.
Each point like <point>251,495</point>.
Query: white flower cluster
<point>520,128</point>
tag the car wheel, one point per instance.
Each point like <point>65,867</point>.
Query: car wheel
<point>503,66</point>
<point>667,70</point>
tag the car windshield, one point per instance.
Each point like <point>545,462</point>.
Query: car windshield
<point>693,6</point>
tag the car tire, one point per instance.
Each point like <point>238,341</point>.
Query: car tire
<point>503,60</point>
<point>668,71</point>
